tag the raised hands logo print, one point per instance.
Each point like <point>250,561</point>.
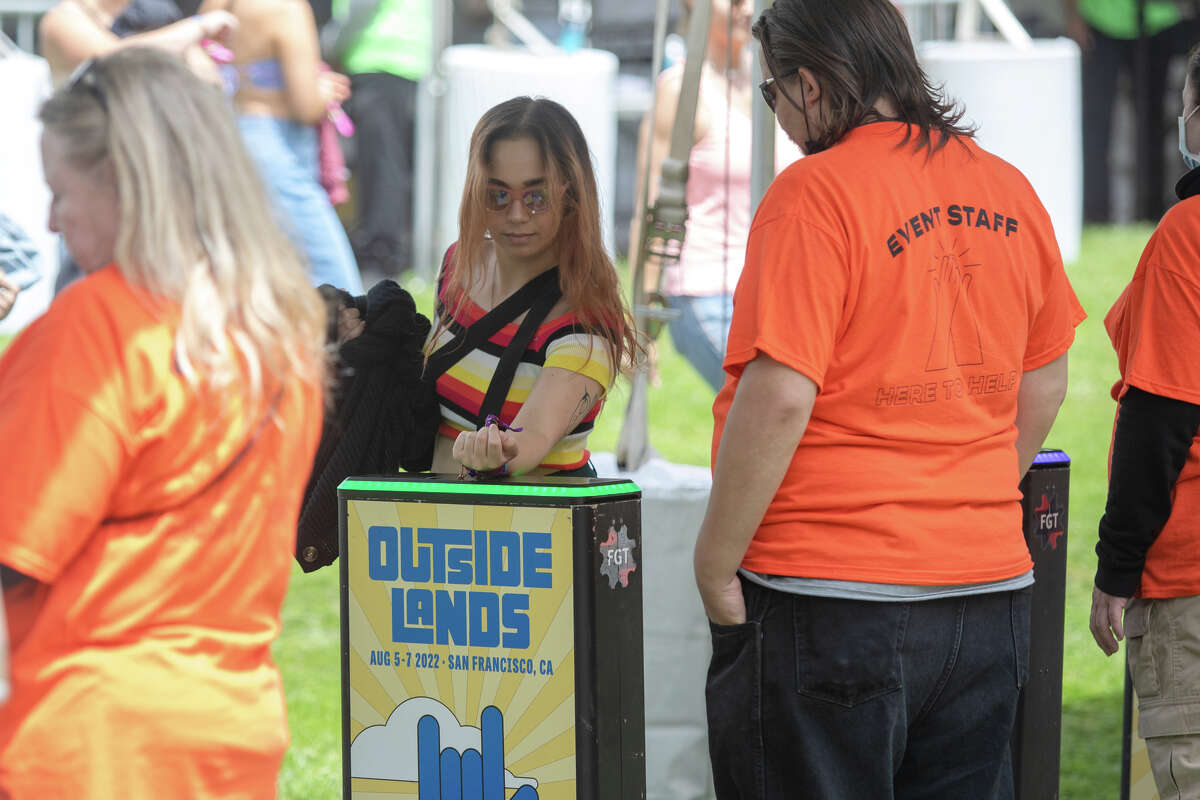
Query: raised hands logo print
<point>955,327</point>
<point>424,742</point>
<point>469,775</point>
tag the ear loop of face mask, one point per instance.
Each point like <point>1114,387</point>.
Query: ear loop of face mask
<point>1190,159</point>
<point>811,146</point>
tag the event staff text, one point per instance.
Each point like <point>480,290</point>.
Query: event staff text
<point>490,562</point>
<point>922,222</point>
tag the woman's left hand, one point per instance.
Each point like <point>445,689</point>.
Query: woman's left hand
<point>486,449</point>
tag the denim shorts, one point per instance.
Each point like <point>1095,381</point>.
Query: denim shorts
<point>701,332</point>
<point>285,153</point>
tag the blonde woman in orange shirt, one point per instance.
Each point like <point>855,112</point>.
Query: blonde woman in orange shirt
<point>151,422</point>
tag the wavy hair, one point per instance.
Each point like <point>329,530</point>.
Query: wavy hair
<point>859,51</point>
<point>586,274</point>
<point>196,227</point>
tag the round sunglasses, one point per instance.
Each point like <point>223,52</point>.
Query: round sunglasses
<point>536,200</point>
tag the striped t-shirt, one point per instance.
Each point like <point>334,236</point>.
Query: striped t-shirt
<point>559,342</point>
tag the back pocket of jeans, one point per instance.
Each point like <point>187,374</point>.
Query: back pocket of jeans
<point>847,651</point>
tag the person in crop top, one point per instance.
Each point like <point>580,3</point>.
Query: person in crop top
<point>281,95</point>
<point>530,216</point>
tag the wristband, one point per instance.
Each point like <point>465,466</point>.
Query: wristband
<point>490,473</point>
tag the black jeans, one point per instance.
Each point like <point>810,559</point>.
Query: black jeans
<point>1157,106</point>
<point>383,108</point>
<point>828,699</point>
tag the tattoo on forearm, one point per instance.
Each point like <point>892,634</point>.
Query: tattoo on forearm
<point>581,409</point>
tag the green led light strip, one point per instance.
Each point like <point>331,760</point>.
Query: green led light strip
<point>494,489</point>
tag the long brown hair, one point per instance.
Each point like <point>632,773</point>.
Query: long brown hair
<point>586,274</point>
<point>858,51</point>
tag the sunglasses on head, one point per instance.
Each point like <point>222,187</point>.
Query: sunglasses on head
<point>84,77</point>
<point>536,200</point>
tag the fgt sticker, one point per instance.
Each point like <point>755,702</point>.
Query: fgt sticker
<point>1050,520</point>
<point>616,557</point>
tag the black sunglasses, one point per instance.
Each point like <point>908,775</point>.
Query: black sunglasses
<point>767,88</point>
<point>84,77</point>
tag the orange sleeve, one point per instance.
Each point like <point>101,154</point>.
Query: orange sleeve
<point>1052,326</point>
<point>62,459</point>
<point>790,301</point>
<point>1164,351</point>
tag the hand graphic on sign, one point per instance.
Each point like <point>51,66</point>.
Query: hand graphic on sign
<point>470,775</point>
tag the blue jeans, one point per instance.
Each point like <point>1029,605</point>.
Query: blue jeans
<point>286,155</point>
<point>701,331</point>
<point>844,699</point>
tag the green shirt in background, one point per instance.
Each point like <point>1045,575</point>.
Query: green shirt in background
<point>1118,18</point>
<point>398,39</point>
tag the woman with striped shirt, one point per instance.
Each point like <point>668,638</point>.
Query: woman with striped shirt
<point>528,297</point>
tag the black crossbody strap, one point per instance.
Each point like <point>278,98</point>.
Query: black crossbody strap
<point>506,370</point>
<point>468,339</point>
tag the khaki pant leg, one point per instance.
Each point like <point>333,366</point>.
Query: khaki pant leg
<point>1175,762</point>
<point>1164,662</point>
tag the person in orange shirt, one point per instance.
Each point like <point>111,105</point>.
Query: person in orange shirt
<point>896,358</point>
<point>152,422</point>
<point>1149,552</point>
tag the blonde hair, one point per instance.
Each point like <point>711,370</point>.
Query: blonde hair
<point>586,274</point>
<point>196,226</point>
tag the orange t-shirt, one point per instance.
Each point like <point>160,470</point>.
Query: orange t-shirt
<point>914,290</point>
<point>140,661</point>
<point>1155,329</point>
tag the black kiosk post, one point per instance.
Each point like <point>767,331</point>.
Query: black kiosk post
<point>491,639</point>
<point>1037,734</point>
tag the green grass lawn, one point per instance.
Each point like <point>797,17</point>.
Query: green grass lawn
<point>681,426</point>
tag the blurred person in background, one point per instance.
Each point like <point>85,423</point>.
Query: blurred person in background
<point>73,31</point>
<point>897,356</point>
<point>281,96</point>
<point>700,284</point>
<point>1147,585</point>
<point>386,47</point>
<point>159,409</point>
<point>1107,32</point>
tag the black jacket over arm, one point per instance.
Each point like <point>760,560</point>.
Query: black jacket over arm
<point>383,415</point>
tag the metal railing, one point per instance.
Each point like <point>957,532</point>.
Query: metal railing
<point>18,19</point>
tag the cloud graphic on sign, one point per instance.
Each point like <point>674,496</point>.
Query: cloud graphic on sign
<point>389,751</point>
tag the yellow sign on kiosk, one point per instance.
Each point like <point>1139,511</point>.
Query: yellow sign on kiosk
<point>466,608</point>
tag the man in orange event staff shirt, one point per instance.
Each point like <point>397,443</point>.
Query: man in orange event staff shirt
<point>1149,549</point>
<point>896,359</point>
